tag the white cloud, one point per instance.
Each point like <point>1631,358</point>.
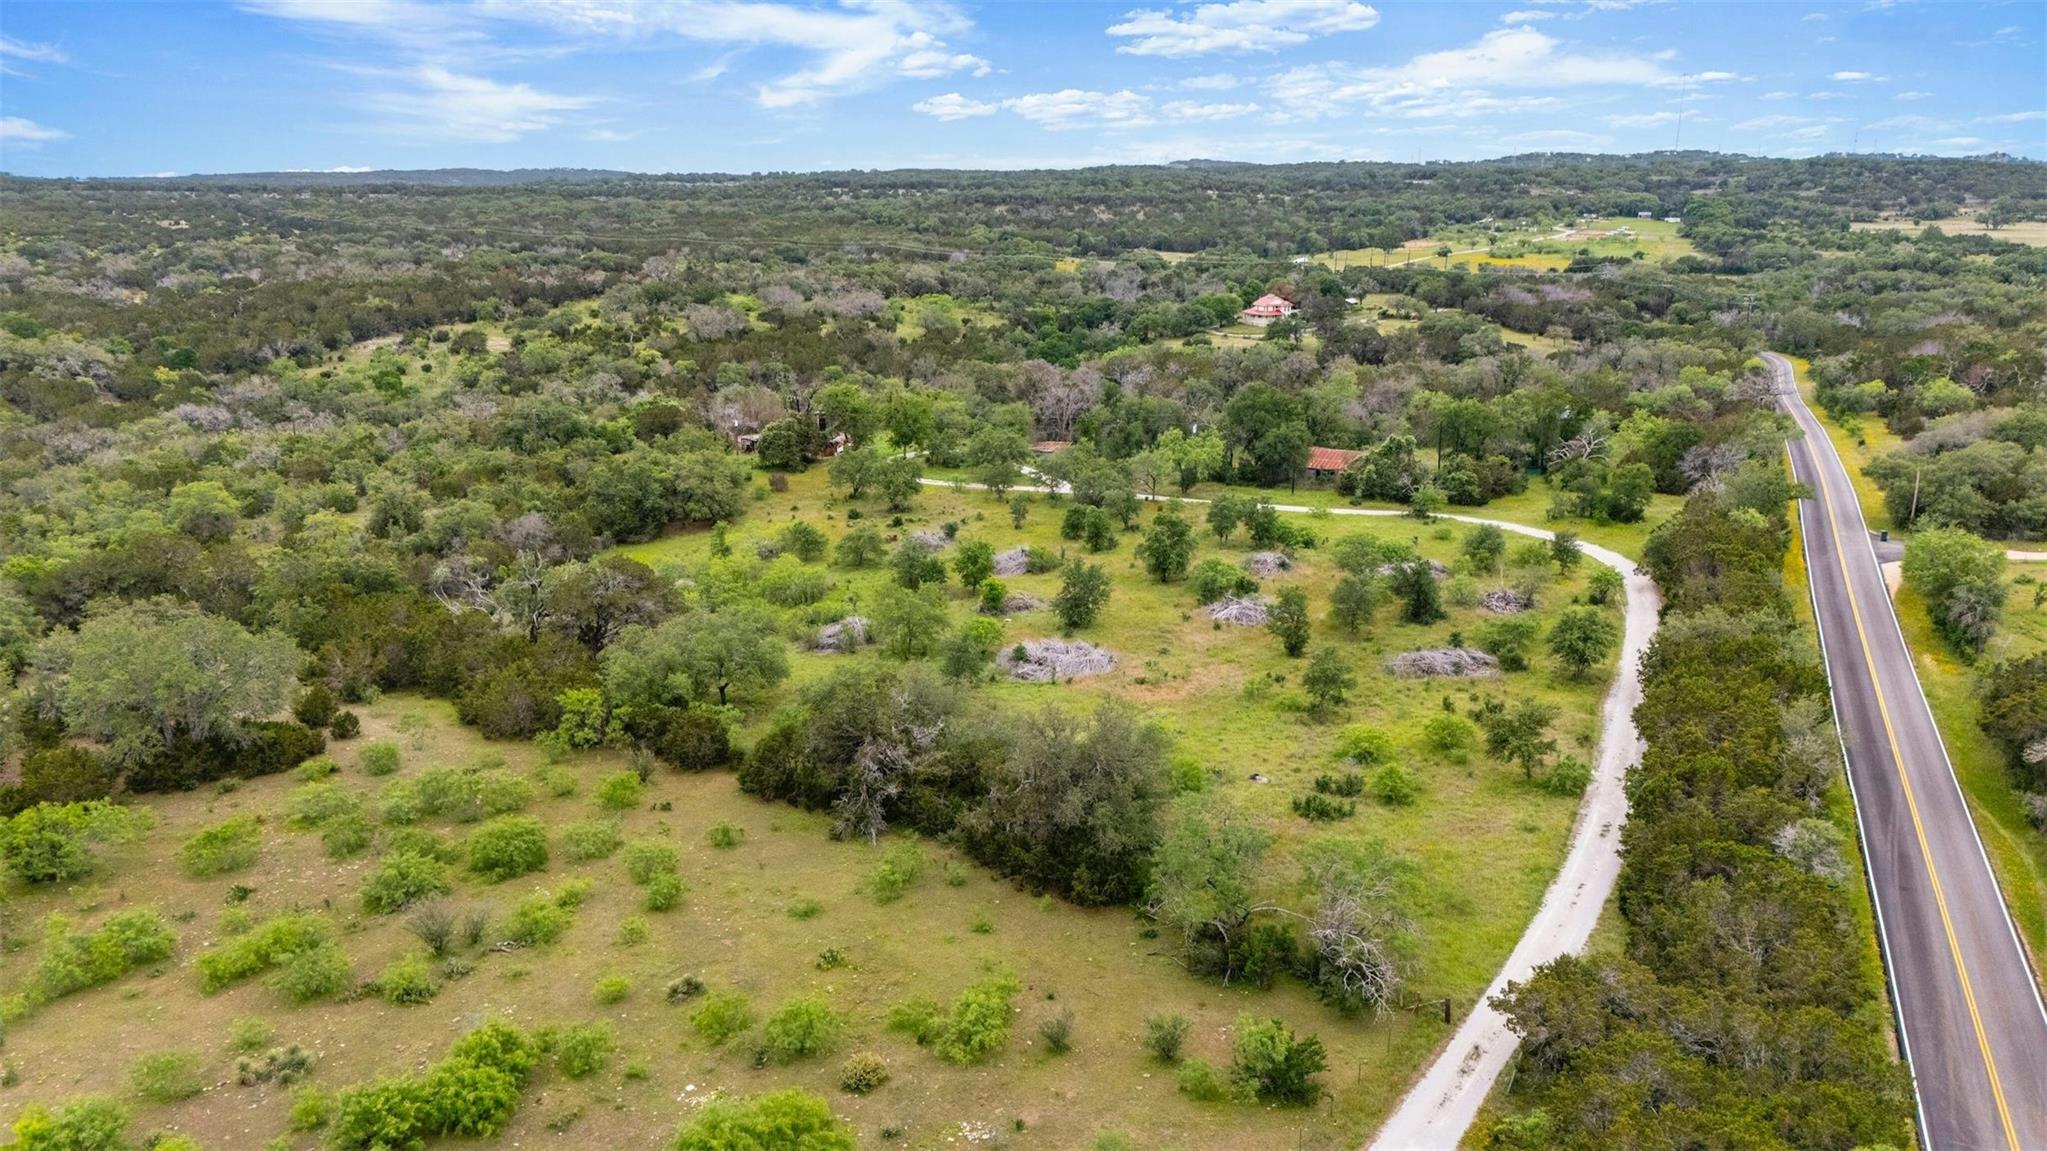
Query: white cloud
<point>2013,118</point>
<point>443,105</point>
<point>1642,119</point>
<point>1826,95</point>
<point>850,46</point>
<point>1780,94</point>
<point>28,52</point>
<point>1812,17</point>
<point>1079,108</point>
<point>1776,121</point>
<point>1528,16</point>
<point>1913,94</point>
<point>1459,82</point>
<point>1853,77</point>
<point>1810,132</point>
<point>1960,142</point>
<point>953,106</point>
<point>1193,110</point>
<point>1238,26</point>
<point>1214,82</point>
<point>1715,77</point>
<point>18,130</point>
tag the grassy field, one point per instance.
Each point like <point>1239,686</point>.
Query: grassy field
<point>2032,232</point>
<point>1484,843</point>
<point>1541,249</point>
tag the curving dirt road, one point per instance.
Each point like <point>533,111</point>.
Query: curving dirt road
<point>1441,1105</point>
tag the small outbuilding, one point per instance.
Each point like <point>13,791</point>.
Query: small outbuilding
<point>1324,462</point>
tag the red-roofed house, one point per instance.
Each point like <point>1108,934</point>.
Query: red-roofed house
<point>1266,309</point>
<point>1329,461</point>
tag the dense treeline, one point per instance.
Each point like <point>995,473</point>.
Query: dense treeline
<point>1747,1009</point>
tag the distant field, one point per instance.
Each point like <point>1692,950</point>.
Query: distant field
<point>2032,232</point>
<point>1541,249</point>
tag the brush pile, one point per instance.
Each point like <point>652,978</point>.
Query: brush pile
<point>1242,611</point>
<point>1052,660</point>
<point>1456,662</point>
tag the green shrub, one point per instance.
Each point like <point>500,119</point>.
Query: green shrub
<point>467,1099</point>
<point>1568,776</point>
<point>249,1033</point>
<point>664,891</point>
<point>800,1029</point>
<point>632,931</point>
<point>1199,1080</point>
<point>791,1120</point>
<point>1394,786</point>
<point>721,1016</point>
<point>863,1072</point>
<point>724,835</point>
<point>899,867</point>
<point>1349,785</point>
<point>1447,733</point>
<point>166,1076</point>
<point>977,1024</point>
<point>1364,745</point>
<point>347,835</point>
<point>1321,808</point>
<point>311,1109</point>
<point>317,768</point>
<point>387,1114</point>
<point>619,791</point>
<point>921,1019</point>
<point>401,880</point>
<point>314,805</point>
<point>51,843</point>
<point>538,919</point>
<point>315,973</point>
<point>470,794</point>
<point>1273,1066</point>
<point>419,841</point>
<point>230,845</point>
<point>408,982</point>
<point>1057,1031</point>
<point>647,858</point>
<point>90,1123</point>
<point>1213,578</point>
<point>73,961</point>
<point>1165,1036</point>
<point>590,839</point>
<point>507,847</point>
<point>263,948</point>
<point>612,989</point>
<point>583,1050</point>
<point>378,758</point>
<point>805,908</point>
<point>347,725</point>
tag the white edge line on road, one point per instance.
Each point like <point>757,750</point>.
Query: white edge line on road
<point>1954,781</point>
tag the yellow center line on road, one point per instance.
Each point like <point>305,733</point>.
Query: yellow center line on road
<point>1912,804</point>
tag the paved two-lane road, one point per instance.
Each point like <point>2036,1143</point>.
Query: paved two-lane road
<point>1974,1029</point>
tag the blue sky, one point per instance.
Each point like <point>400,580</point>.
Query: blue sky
<point>126,89</point>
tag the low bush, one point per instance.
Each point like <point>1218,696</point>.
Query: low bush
<point>694,741</point>
<point>862,1073</point>
<point>583,1050</point>
<point>1394,786</point>
<point>977,1024</point>
<point>378,758</point>
<point>538,919</point>
<point>725,835</point>
<point>249,1034</point>
<point>408,982</point>
<point>347,835</point>
<point>664,891</point>
<point>590,839</point>
<point>1568,776</point>
<point>1366,746</point>
<point>229,845</point>
<point>1321,808</point>
<point>721,1016</point>
<point>507,847</point>
<point>647,858</point>
<point>90,1123</point>
<point>166,1076</point>
<point>1165,1036</point>
<point>1349,785</point>
<point>261,949</point>
<point>402,879</point>
<point>472,1093</point>
<point>612,989</point>
<point>899,867</point>
<point>73,961</point>
<point>283,1066</point>
<point>253,749</point>
<point>315,973</point>
<point>1274,1067</point>
<point>799,1029</point>
<point>1201,1081</point>
<point>1057,1031</point>
<point>619,791</point>
<point>792,1120</point>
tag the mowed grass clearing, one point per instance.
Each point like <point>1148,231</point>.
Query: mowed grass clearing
<point>2033,232</point>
